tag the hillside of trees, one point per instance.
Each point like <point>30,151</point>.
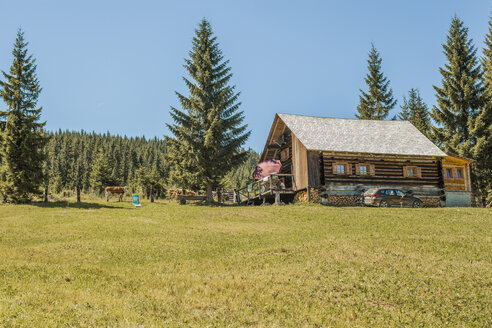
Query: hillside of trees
<point>93,161</point>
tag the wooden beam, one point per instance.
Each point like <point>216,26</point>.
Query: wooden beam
<point>307,171</point>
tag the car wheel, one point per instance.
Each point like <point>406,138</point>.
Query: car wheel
<point>417,204</point>
<point>383,203</point>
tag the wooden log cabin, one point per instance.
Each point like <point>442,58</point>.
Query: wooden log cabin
<point>335,160</point>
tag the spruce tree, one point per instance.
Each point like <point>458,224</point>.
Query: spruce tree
<point>482,130</point>
<point>415,110</point>
<point>460,96</point>
<point>209,130</point>
<point>101,173</point>
<point>22,139</point>
<point>378,101</point>
<point>76,175</point>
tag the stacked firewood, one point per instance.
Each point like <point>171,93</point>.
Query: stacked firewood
<point>430,201</point>
<point>343,200</point>
<point>302,196</point>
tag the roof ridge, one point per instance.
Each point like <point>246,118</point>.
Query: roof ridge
<point>341,118</point>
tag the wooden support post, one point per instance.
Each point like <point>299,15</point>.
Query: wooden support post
<point>307,170</point>
<point>46,193</point>
<point>78,194</point>
<point>277,197</point>
<point>151,193</point>
<point>259,190</point>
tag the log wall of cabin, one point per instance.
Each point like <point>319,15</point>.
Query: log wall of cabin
<point>388,170</point>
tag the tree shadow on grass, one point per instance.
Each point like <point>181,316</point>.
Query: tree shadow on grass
<point>213,204</point>
<point>66,204</point>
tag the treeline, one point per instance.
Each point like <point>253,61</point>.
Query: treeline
<point>91,161</point>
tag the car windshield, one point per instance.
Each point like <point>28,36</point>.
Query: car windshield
<point>399,193</point>
<point>371,191</point>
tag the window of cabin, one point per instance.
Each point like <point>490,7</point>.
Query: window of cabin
<point>412,172</point>
<point>459,173</point>
<point>363,169</point>
<point>449,173</point>
<point>284,154</point>
<point>342,168</point>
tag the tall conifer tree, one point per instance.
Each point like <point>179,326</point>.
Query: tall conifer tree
<point>378,101</point>
<point>22,139</point>
<point>415,110</point>
<point>101,173</point>
<point>460,96</point>
<point>482,131</point>
<point>209,130</point>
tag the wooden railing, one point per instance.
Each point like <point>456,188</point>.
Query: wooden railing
<point>275,183</point>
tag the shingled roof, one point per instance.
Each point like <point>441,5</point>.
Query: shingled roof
<point>360,136</point>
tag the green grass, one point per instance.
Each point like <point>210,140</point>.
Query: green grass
<point>171,265</point>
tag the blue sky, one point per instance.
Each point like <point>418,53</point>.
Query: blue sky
<point>115,65</point>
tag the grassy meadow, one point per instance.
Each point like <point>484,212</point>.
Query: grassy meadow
<point>109,264</point>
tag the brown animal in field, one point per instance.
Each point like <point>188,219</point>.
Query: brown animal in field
<point>110,191</point>
<point>173,193</point>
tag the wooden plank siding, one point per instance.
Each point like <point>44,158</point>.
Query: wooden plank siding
<point>299,158</point>
<point>454,183</point>
<point>287,163</point>
<point>276,131</point>
<point>315,166</point>
<point>287,144</point>
<point>387,170</point>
